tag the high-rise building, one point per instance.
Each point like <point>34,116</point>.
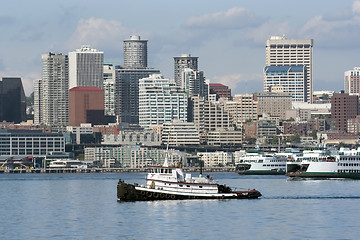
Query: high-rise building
<point>352,81</point>
<point>193,83</point>
<point>281,51</point>
<point>12,100</point>
<point>51,96</point>
<point>182,62</point>
<point>135,52</point>
<point>86,68</point>
<point>109,89</point>
<point>290,78</point>
<point>127,92</point>
<point>86,105</point>
<point>160,101</point>
<point>343,107</point>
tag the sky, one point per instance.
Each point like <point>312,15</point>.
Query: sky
<point>228,36</point>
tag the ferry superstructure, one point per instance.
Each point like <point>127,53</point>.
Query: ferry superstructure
<point>256,162</point>
<point>344,163</point>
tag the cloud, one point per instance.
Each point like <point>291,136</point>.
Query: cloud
<point>241,83</point>
<point>356,7</point>
<point>234,18</point>
<point>258,36</point>
<point>334,28</point>
<point>104,35</point>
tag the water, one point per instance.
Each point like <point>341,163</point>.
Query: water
<point>84,206</point>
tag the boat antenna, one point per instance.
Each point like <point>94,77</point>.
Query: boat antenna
<point>166,162</point>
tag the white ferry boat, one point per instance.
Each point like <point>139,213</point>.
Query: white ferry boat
<point>170,183</point>
<point>256,162</point>
<point>344,163</point>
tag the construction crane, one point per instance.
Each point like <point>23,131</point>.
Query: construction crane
<point>2,166</point>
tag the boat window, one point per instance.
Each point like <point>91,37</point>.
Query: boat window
<point>188,185</point>
<point>200,186</point>
<point>180,185</point>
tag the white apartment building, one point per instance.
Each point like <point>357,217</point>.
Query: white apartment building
<point>160,101</point>
<point>86,68</point>
<point>51,98</point>
<point>216,159</point>
<point>179,133</point>
<point>281,51</point>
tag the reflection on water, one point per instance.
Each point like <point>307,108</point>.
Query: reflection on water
<point>84,206</point>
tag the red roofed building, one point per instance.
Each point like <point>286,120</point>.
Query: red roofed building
<point>86,105</point>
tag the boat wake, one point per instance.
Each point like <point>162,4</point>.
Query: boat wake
<point>312,197</point>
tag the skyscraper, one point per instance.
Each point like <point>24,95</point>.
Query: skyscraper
<point>109,89</point>
<point>182,62</point>
<point>135,52</point>
<point>127,92</point>
<point>291,52</point>
<point>291,78</point>
<point>12,100</point>
<point>352,81</point>
<point>193,83</point>
<point>86,68</point>
<point>127,79</point>
<point>51,97</point>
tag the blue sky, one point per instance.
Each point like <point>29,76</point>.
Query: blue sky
<point>227,36</point>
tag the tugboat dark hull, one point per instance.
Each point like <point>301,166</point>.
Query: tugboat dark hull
<point>130,192</point>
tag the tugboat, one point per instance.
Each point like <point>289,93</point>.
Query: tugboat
<point>170,183</point>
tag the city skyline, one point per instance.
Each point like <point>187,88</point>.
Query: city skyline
<point>228,37</point>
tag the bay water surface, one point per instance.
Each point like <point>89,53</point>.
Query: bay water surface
<point>84,206</point>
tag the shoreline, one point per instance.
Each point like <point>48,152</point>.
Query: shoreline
<point>105,170</point>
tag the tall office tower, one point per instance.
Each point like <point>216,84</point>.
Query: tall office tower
<point>291,52</point>
<point>86,105</point>
<point>160,101</point>
<point>343,107</point>
<point>86,68</point>
<point>109,89</point>
<point>12,100</point>
<point>220,90</point>
<point>352,81</point>
<point>51,98</point>
<point>290,78</point>
<point>37,99</point>
<point>193,83</point>
<point>182,62</point>
<point>135,52</point>
<point>127,92</point>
